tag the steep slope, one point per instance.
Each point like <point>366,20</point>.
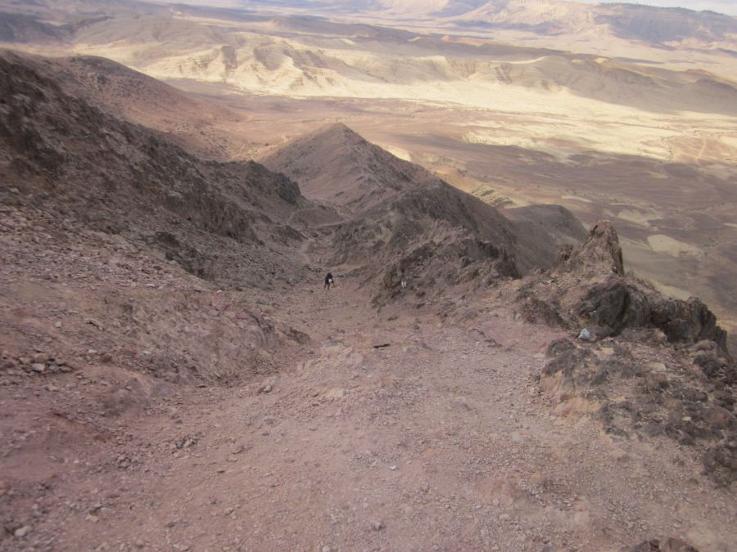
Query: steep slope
<point>337,166</point>
<point>406,224</point>
<point>61,154</point>
<point>201,127</point>
<point>173,411</point>
<point>432,238</point>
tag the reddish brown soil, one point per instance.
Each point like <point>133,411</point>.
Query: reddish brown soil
<point>439,441</point>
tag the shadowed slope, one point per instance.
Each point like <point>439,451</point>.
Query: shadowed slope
<point>66,156</point>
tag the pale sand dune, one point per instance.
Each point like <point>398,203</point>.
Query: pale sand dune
<point>639,217</point>
<point>661,243</point>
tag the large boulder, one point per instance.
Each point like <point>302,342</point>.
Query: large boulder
<point>619,303</point>
<point>615,305</point>
<point>687,321</point>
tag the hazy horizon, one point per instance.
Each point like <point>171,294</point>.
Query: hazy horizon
<point>724,6</point>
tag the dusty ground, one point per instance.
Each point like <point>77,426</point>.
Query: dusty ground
<point>438,441</point>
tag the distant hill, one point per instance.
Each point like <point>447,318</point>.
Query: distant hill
<point>205,45</point>
<point>654,25</point>
<point>27,29</point>
<point>651,24</point>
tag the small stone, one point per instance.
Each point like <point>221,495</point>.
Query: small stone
<point>266,388</point>
<point>378,526</point>
<point>22,531</point>
<point>38,367</point>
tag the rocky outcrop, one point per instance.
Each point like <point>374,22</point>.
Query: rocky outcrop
<point>600,252</point>
<point>432,238</point>
<point>588,288</point>
<point>654,366</point>
<point>618,303</point>
<point>646,388</point>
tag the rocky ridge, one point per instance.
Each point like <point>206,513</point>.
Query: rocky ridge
<point>645,365</point>
<point>172,369</point>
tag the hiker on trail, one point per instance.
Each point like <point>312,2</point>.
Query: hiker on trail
<point>328,281</point>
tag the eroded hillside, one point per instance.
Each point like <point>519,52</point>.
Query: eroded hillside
<point>616,111</point>
<point>174,376</point>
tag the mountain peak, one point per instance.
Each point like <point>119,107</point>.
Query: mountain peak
<point>336,165</point>
<point>339,131</point>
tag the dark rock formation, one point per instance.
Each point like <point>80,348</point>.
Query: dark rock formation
<point>600,250</point>
<point>589,289</point>
<point>619,303</point>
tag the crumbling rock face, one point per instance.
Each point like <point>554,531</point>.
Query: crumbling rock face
<point>687,321</point>
<point>435,237</point>
<point>646,387</point>
<point>431,239</point>
<point>619,303</point>
<point>615,305</point>
<point>588,289</point>
<point>436,266</point>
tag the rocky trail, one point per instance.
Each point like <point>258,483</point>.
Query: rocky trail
<point>173,377</point>
<point>389,431</point>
